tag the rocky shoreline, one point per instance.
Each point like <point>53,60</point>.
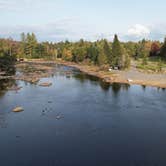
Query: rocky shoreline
<point>33,70</point>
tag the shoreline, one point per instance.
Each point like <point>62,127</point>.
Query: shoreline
<point>154,80</point>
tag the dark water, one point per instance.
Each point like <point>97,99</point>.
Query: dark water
<point>81,121</point>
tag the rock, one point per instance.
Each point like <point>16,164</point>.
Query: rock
<point>15,88</point>
<point>58,117</point>
<point>18,109</point>
<point>35,80</point>
<point>45,84</point>
<point>129,80</point>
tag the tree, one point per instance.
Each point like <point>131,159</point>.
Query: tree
<point>79,51</point>
<point>102,59</point>
<point>159,65</point>
<point>22,47</point>
<point>104,56</point>
<point>163,49</point>
<point>125,59</point>
<point>155,48</point>
<point>31,44</point>
<point>93,53</point>
<point>67,54</point>
<point>116,53</point>
<point>107,51</point>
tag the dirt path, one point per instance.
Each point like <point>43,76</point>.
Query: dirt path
<point>138,77</point>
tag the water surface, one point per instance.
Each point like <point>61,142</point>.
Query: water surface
<point>80,121</point>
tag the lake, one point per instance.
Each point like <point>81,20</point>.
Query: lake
<point>82,121</point>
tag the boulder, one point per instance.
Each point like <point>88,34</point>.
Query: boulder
<point>18,109</point>
<point>45,84</point>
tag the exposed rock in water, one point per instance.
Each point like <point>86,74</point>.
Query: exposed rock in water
<point>18,109</point>
<point>15,88</point>
<point>45,84</point>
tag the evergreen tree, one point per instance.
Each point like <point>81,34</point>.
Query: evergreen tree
<point>124,62</point>
<point>163,49</point>
<point>93,53</point>
<point>21,53</point>
<point>107,51</point>
<point>31,44</point>
<point>116,53</point>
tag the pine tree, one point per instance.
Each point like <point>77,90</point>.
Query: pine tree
<point>163,50</point>
<point>22,46</point>
<point>102,59</point>
<point>116,57</point>
<point>31,45</point>
<point>93,53</point>
<point>107,51</point>
<point>124,62</point>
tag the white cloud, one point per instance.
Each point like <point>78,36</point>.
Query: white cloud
<point>73,29</point>
<point>139,30</point>
<point>58,30</point>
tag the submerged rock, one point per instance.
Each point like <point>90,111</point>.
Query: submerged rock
<point>15,88</point>
<point>58,117</point>
<point>45,84</point>
<point>18,109</point>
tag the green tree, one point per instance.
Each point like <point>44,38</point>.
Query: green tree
<point>102,59</point>
<point>93,53</point>
<point>159,65</point>
<point>117,54</point>
<point>31,44</point>
<point>163,49</point>
<point>107,51</point>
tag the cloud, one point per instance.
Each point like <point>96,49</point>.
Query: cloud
<point>73,29</point>
<point>64,29</point>
<point>139,30</point>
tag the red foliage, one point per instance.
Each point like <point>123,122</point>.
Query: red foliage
<point>155,48</point>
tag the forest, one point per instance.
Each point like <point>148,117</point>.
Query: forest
<point>114,54</point>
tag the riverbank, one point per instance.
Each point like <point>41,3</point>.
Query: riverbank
<point>131,76</point>
<point>33,70</point>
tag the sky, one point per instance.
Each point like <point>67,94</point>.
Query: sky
<point>59,20</point>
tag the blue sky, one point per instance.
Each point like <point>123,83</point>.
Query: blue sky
<point>56,20</point>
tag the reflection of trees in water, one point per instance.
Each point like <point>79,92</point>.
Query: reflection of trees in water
<point>163,89</point>
<point>3,122</point>
<point>7,64</point>
<point>104,85</point>
<point>84,77</point>
<point>116,87</point>
<point>4,84</point>
<point>143,87</point>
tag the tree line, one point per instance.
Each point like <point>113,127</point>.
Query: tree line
<point>102,52</point>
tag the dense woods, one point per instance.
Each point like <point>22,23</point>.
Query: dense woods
<point>102,52</point>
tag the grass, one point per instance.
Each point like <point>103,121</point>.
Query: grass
<point>153,64</point>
